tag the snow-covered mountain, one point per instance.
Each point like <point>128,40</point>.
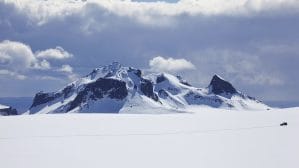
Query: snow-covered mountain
<point>118,89</point>
<point>7,110</point>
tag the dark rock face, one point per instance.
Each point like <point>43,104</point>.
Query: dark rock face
<point>163,94</point>
<point>160,79</point>
<point>8,111</point>
<point>194,98</point>
<point>41,98</point>
<point>112,88</point>
<point>137,72</point>
<point>185,83</point>
<point>93,73</point>
<point>68,90</point>
<point>219,86</point>
<point>147,88</point>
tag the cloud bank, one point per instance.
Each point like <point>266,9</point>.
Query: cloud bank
<point>42,12</point>
<point>17,60</point>
<point>161,64</point>
<point>53,53</point>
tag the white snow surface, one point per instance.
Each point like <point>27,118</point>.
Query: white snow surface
<point>203,137</point>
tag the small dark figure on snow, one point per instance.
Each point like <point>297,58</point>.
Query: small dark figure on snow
<point>284,124</point>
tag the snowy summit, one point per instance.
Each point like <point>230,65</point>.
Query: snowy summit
<point>118,89</point>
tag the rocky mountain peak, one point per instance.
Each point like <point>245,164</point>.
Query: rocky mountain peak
<point>220,86</point>
<point>115,88</point>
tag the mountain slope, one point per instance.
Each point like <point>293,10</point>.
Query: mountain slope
<point>115,88</point>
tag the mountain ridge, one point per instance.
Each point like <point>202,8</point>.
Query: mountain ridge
<point>119,89</point>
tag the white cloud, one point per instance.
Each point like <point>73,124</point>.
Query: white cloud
<point>16,55</point>
<point>53,53</point>
<point>47,78</point>
<point>157,13</point>
<point>169,64</point>
<point>68,71</point>
<point>18,61</point>
<point>44,64</point>
<point>66,68</point>
<point>15,75</point>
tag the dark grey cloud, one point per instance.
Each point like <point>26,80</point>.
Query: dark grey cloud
<point>255,47</point>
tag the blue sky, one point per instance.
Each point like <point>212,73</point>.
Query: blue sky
<point>253,43</point>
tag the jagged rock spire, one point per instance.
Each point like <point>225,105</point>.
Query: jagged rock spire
<point>219,86</point>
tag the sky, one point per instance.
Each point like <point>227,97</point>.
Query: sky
<point>254,44</point>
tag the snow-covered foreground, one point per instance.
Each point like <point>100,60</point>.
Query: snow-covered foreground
<point>209,138</point>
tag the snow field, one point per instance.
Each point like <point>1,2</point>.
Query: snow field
<point>205,137</point>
